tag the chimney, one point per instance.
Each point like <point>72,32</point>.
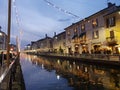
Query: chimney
<point>46,35</point>
<point>54,33</point>
<point>110,4</point>
<point>0,28</point>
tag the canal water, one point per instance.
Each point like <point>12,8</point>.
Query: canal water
<point>42,73</point>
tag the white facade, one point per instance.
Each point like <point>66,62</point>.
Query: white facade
<point>89,33</point>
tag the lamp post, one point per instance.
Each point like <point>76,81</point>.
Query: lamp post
<point>8,32</point>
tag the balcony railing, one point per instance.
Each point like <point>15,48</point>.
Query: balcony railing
<point>82,42</point>
<point>111,41</point>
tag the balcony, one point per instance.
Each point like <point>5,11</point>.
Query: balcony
<point>83,42</point>
<point>111,41</point>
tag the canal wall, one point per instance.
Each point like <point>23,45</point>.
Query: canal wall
<point>95,61</point>
<point>17,80</point>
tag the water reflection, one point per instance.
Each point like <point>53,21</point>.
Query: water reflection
<point>80,76</point>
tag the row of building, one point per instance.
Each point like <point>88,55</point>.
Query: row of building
<point>98,33</point>
<point>3,42</point>
<point>3,39</point>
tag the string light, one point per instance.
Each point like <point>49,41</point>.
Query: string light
<point>60,9</point>
<point>17,22</point>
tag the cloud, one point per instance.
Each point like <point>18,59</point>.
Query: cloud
<point>35,22</point>
<point>34,25</point>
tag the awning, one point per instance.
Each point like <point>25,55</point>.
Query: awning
<point>82,34</point>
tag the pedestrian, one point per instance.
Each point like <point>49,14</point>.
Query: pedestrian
<point>1,58</point>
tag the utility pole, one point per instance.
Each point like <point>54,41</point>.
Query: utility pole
<point>8,32</point>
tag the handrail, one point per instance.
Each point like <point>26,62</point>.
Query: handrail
<point>6,71</point>
<point>5,76</point>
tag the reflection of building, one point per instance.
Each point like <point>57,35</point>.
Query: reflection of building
<point>112,28</point>
<point>81,75</point>
<point>59,42</point>
<point>3,38</point>
<point>89,33</point>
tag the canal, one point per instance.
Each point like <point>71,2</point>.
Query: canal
<point>42,73</point>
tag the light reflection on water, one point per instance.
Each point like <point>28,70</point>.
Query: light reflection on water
<point>55,74</point>
<point>38,78</point>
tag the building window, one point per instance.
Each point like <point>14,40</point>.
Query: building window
<point>110,22</point>
<point>95,34</point>
<point>75,31</point>
<point>68,33</point>
<point>95,23</point>
<point>82,27</point>
<point>112,34</point>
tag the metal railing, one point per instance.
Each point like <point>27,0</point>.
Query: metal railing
<point>7,75</point>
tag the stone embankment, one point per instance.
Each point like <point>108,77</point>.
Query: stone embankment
<point>18,80</point>
<point>109,60</point>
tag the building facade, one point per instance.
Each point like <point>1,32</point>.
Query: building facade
<point>88,35</point>
<point>34,45</point>
<point>42,45</point>
<point>112,31</point>
<point>59,42</point>
<point>3,40</point>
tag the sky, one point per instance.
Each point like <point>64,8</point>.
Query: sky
<point>32,19</point>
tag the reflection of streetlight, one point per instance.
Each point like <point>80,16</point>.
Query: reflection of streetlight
<point>58,77</point>
<point>119,12</point>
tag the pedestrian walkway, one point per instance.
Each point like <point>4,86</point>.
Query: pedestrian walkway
<point>4,69</point>
<point>11,77</point>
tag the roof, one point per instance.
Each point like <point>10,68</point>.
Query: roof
<point>117,10</point>
<point>60,34</point>
<point>44,39</point>
<point>101,11</point>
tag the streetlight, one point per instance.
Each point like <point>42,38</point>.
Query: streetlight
<point>8,31</point>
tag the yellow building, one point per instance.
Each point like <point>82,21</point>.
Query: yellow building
<point>112,29</point>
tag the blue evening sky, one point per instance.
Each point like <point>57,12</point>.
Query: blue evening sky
<point>37,18</point>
